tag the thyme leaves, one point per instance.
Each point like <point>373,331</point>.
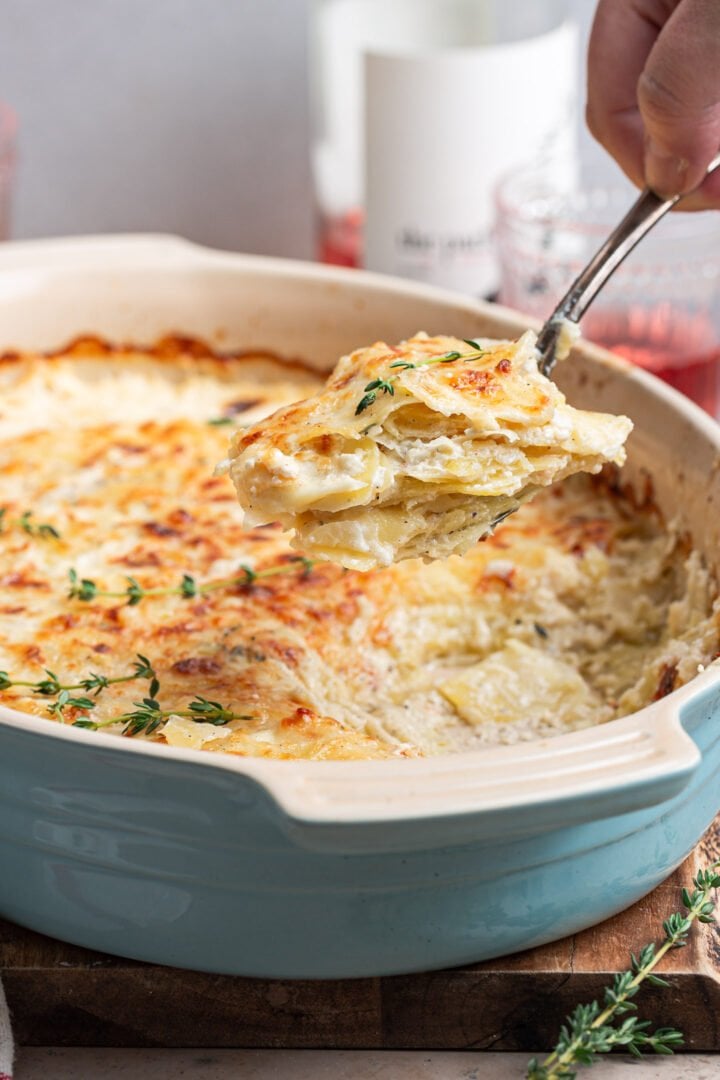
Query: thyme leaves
<point>146,716</point>
<point>385,384</point>
<point>596,1029</point>
<point>94,683</point>
<point>42,530</point>
<point>86,589</point>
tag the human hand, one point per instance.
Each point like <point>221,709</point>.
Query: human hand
<point>653,98</point>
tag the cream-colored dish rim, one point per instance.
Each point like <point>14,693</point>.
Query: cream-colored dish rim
<point>637,750</point>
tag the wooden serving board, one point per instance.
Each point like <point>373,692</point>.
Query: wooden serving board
<point>60,995</point>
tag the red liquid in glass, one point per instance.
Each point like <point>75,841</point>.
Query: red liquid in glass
<point>683,349</point>
<point>340,239</point>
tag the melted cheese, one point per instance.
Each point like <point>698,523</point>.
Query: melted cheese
<point>578,595</point>
<point>437,457</point>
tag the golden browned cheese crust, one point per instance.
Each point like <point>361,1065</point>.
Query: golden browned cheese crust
<point>113,448</point>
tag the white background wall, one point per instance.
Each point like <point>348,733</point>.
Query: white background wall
<point>187,116</point>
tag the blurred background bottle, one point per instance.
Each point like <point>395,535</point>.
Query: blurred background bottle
<point>419,107</point>
<point>8,127</point>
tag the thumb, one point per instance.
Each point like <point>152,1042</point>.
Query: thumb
<point>679,98</point>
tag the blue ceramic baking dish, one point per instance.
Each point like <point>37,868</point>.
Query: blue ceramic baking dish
<point>337,869</point>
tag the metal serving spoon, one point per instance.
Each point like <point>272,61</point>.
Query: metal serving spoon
<point>639,220</point>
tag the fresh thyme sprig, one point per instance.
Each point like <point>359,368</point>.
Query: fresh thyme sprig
<point>591,1030</point>
<point>66,700</point>
<point>86,589</point>
<point>40,529</point>
<point>148,715</point>
<point>94,683</point>
<point>385,385</point>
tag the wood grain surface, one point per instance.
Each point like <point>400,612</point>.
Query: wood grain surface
<point>61,995</point>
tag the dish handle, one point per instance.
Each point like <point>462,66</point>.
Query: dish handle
<point>623,767</point>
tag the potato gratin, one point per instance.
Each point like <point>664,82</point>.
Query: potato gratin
<point>418,449</point>
<point>185,626</point>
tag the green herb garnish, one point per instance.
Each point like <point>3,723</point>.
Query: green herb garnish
<point>43,530</point>
<point>94,683</point>
<point>148,715</point>
<point>385,385</point>
<point>86,589</point>
<point>591,1030</point>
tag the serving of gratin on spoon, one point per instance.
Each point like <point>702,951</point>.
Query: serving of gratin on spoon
<point>423,448</point>
<point>416,450</point>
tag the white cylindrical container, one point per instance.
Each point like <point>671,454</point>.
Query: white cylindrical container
<point>420,106</point>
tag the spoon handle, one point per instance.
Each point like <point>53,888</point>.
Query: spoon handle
<point>645,213</point>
